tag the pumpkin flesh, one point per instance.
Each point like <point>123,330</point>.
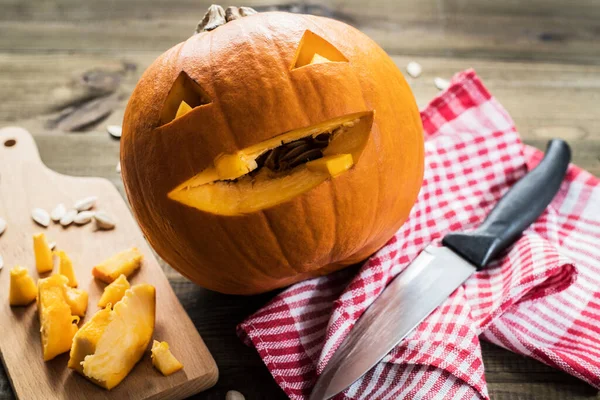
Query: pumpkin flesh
<point>43,254</point>
<point>163,359</point>
<point>22,288</point>
<point>58,322</point>
<point>114,292</point>
<point>109,345</point>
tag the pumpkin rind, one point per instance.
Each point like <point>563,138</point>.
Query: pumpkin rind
<point>246,68</point>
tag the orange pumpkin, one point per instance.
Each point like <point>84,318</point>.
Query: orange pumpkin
<point>205,120</point>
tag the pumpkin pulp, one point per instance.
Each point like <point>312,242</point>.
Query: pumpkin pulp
<point>240,183</point>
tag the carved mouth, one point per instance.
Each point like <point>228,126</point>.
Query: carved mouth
<point>278,169</point>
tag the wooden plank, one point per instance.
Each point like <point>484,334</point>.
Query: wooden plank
<point>73,10</point>
<point>493,30</point>
<point>527,90</point>
<point>26,183</point>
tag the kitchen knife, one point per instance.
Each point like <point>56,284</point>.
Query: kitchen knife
<point>438,271</point>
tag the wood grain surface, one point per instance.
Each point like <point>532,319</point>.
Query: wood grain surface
<point>25,183</point>
<point>540,58</point>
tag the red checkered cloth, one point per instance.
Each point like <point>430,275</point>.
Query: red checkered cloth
<point>542,299</point>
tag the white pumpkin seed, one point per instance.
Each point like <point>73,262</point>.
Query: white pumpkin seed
<point>52,245</point>
<point>1,262</point>
<point>414,69</point>
<point>41,217</point>
<point>104,221</point>
<point>2,226</point>
<point>85,204</point>
<point>114,130</point>
<point>234,395</point>
<point>118,168</point>
<point>441,83</point>
<point>58,212</point>
<point>84,217</point>
<point>68,218</point>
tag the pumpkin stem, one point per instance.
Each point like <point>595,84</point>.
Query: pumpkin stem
<point>217,16</point>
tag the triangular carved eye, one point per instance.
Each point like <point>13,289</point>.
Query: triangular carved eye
<point>313,49</point>
<point>185,89</point>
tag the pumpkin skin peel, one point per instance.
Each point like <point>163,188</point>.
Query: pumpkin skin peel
<point>196,174</point>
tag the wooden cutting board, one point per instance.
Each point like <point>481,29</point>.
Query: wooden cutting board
<point>26,183</point>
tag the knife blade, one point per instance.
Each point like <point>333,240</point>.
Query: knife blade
<point>437,271</point>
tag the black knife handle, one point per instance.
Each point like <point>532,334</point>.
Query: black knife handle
<point>516,210</point>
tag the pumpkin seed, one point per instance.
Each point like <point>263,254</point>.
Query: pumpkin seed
<point>41,217</point>
<point>52,245</point>
<point>58,212</point>
<point>68,218</point>
<point>104,221</point>
<point>1,262</point>
<point>85,204</point>
<point>2,226</point>
<point>114,130</point>
<point>234,395</point>
<point>414,69</point>
<point>118,168</point>
<point>84,217</point>
<point>441,83</point>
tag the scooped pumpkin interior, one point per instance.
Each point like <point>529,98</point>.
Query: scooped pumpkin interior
<point>278,169</point>
<point>185,95</point>
<point>313,49</point>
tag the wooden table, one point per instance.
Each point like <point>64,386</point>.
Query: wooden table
<point>541,58</point>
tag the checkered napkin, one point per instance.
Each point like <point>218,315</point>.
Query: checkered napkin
<point>542,299</point>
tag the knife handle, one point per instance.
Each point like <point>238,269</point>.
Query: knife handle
<point>516,210</point>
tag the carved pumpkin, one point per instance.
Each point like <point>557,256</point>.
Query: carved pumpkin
<point>274,148</point>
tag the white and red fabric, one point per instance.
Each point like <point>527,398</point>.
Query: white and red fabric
<point>542,299</point>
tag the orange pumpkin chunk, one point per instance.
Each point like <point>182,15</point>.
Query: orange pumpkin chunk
<point>123,263</point>
<point>108,346</point>
<point>57,323</point>
<point>77,299</point>
<point>43,254</point>
<point>114,292</point>
<point>163,359</point>
<point>22,288</point>
<point>65,267</point>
